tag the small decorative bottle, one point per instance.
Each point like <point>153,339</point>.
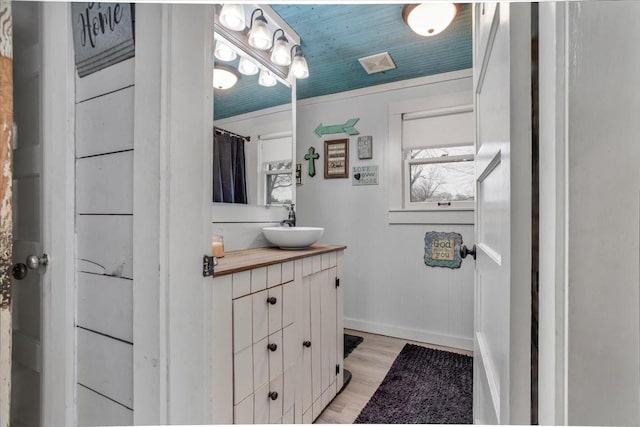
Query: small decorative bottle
<point>217,246</point>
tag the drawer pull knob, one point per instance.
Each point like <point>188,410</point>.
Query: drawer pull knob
<point>273,395</point>
<point>272,346</point>
<point>307,344</point>
<point>272,300</point>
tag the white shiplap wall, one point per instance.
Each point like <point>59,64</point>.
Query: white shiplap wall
<point>388,288</point>
<point>104,221</point>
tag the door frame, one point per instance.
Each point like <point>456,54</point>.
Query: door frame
<point>58,216</point>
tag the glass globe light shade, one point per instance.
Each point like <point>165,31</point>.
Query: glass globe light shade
<point>223,52</point>
<point>247,67</point>
<point>429,19</point>
<point>224,77</point>
<point>260,35</point>
<point>280,54</point>
<point>299,67</point>
<point>232,17</point>
<point>266,78</point>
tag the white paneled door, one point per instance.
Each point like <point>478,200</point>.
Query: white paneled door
<point>502,78</point>
<point>27,227</point>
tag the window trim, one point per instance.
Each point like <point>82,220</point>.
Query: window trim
<point>265,173</point>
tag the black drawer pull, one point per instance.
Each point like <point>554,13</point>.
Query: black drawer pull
<point>307,344</point>
<point>272,346</point>
<point>273,395</point>
<point>272,300</point>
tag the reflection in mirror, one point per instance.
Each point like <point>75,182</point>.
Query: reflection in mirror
<point>253,142</point>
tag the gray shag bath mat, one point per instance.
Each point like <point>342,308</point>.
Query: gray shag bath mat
<point>423,386</point>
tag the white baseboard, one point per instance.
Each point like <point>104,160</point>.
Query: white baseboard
<point>409,334</point>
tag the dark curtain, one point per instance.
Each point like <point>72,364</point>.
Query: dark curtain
<point>229,182</point>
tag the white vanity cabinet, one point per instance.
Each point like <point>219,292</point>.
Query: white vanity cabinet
<point>286,333</point>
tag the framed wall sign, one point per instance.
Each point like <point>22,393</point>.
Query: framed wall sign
<point>102,35</point>
<point>365,147</point>
<point>336,159</point>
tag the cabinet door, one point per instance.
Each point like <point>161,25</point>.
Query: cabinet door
<point>288,389</point>
<point>337,261</point>
<point>274,275</point>
<point>243,412</point>
<point>326,329</point>
<point>290,302</point>
<point>275,309</point>
<point>291,346</point>
<point>316,342</point>
<point>305,333</point>
<point>260,315</point>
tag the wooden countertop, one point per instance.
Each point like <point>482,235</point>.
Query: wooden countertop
<point>236,261</point>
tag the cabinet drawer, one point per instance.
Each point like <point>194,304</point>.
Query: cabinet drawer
<point>275,403</point>
<point>275,356</point>
<point>261,405</point>
<point>258,279</point>
<point>274,275</point>
<point>260,363</point>
<point>242,375</point>
<point>260,315</point>
<point>275,309</point>
<point>241,284</point>
<point>287,418</point>
<point>242,323</point>
<point>243,411</point>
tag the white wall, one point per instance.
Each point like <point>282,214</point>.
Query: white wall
<point>104,216</point>
<point>388,288</point>
<point>594,283</point>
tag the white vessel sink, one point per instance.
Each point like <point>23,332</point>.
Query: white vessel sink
<point>292,237</point>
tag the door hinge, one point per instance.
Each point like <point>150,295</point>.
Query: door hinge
<point>337,369</point>
<point>208,263</point>
<point>337,282</point>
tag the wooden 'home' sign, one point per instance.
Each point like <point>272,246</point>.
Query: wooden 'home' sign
<point>103,34</point>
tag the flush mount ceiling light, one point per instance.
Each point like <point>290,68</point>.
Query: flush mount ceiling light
<point>429,19</point>
<point>259,33</point>
<point>266,78</point>
<point>247,67</point>
<point>224,77</point>
<point>232,17</point>
<point>280,54</point>
<point>299,67</point>
<point>223,52</point>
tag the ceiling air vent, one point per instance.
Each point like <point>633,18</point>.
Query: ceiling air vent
<point>377,63</point>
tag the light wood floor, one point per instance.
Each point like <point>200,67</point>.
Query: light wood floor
<point>368,363</point>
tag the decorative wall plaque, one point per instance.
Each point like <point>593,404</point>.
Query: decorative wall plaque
<point>365,147</point>
<point>103,35</point>
<point>364,175</point>
<point>442,249</point>
<point>336,159</point>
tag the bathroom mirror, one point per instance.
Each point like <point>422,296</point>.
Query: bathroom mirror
<point>262,118</point>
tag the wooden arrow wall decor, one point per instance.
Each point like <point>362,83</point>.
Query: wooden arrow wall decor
<point>347,128</point>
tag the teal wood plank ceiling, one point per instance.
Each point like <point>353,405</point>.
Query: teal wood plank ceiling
<point>334,36</point>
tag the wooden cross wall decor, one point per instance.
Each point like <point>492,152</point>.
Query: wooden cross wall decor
<point>312,156</point>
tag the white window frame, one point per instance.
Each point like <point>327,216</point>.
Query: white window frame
<point>408,162</point>
<point>451,91</point>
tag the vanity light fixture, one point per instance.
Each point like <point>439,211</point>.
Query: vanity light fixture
<point>266,78</point>
<point>232,16</point>
<point>299,67</point>
<point>247,67</point>
<point>280,54</point>
<point>223,52</point>
<point>259,33</point>
<point>429,19</point>
<point>224,77</point>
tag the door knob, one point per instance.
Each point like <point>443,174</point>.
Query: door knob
<point>272,346</point>
<point>307,344</point>
<point>272,300</point>
<point>273,395</point>
<point>19,271</point>
<point>34,262</point>
<point>464,251</point>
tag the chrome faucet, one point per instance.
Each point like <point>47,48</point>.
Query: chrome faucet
<point>291,220</point>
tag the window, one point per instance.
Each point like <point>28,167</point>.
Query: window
<point>440,177</point>
<point>278,183</point>
<point>437,150</point>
